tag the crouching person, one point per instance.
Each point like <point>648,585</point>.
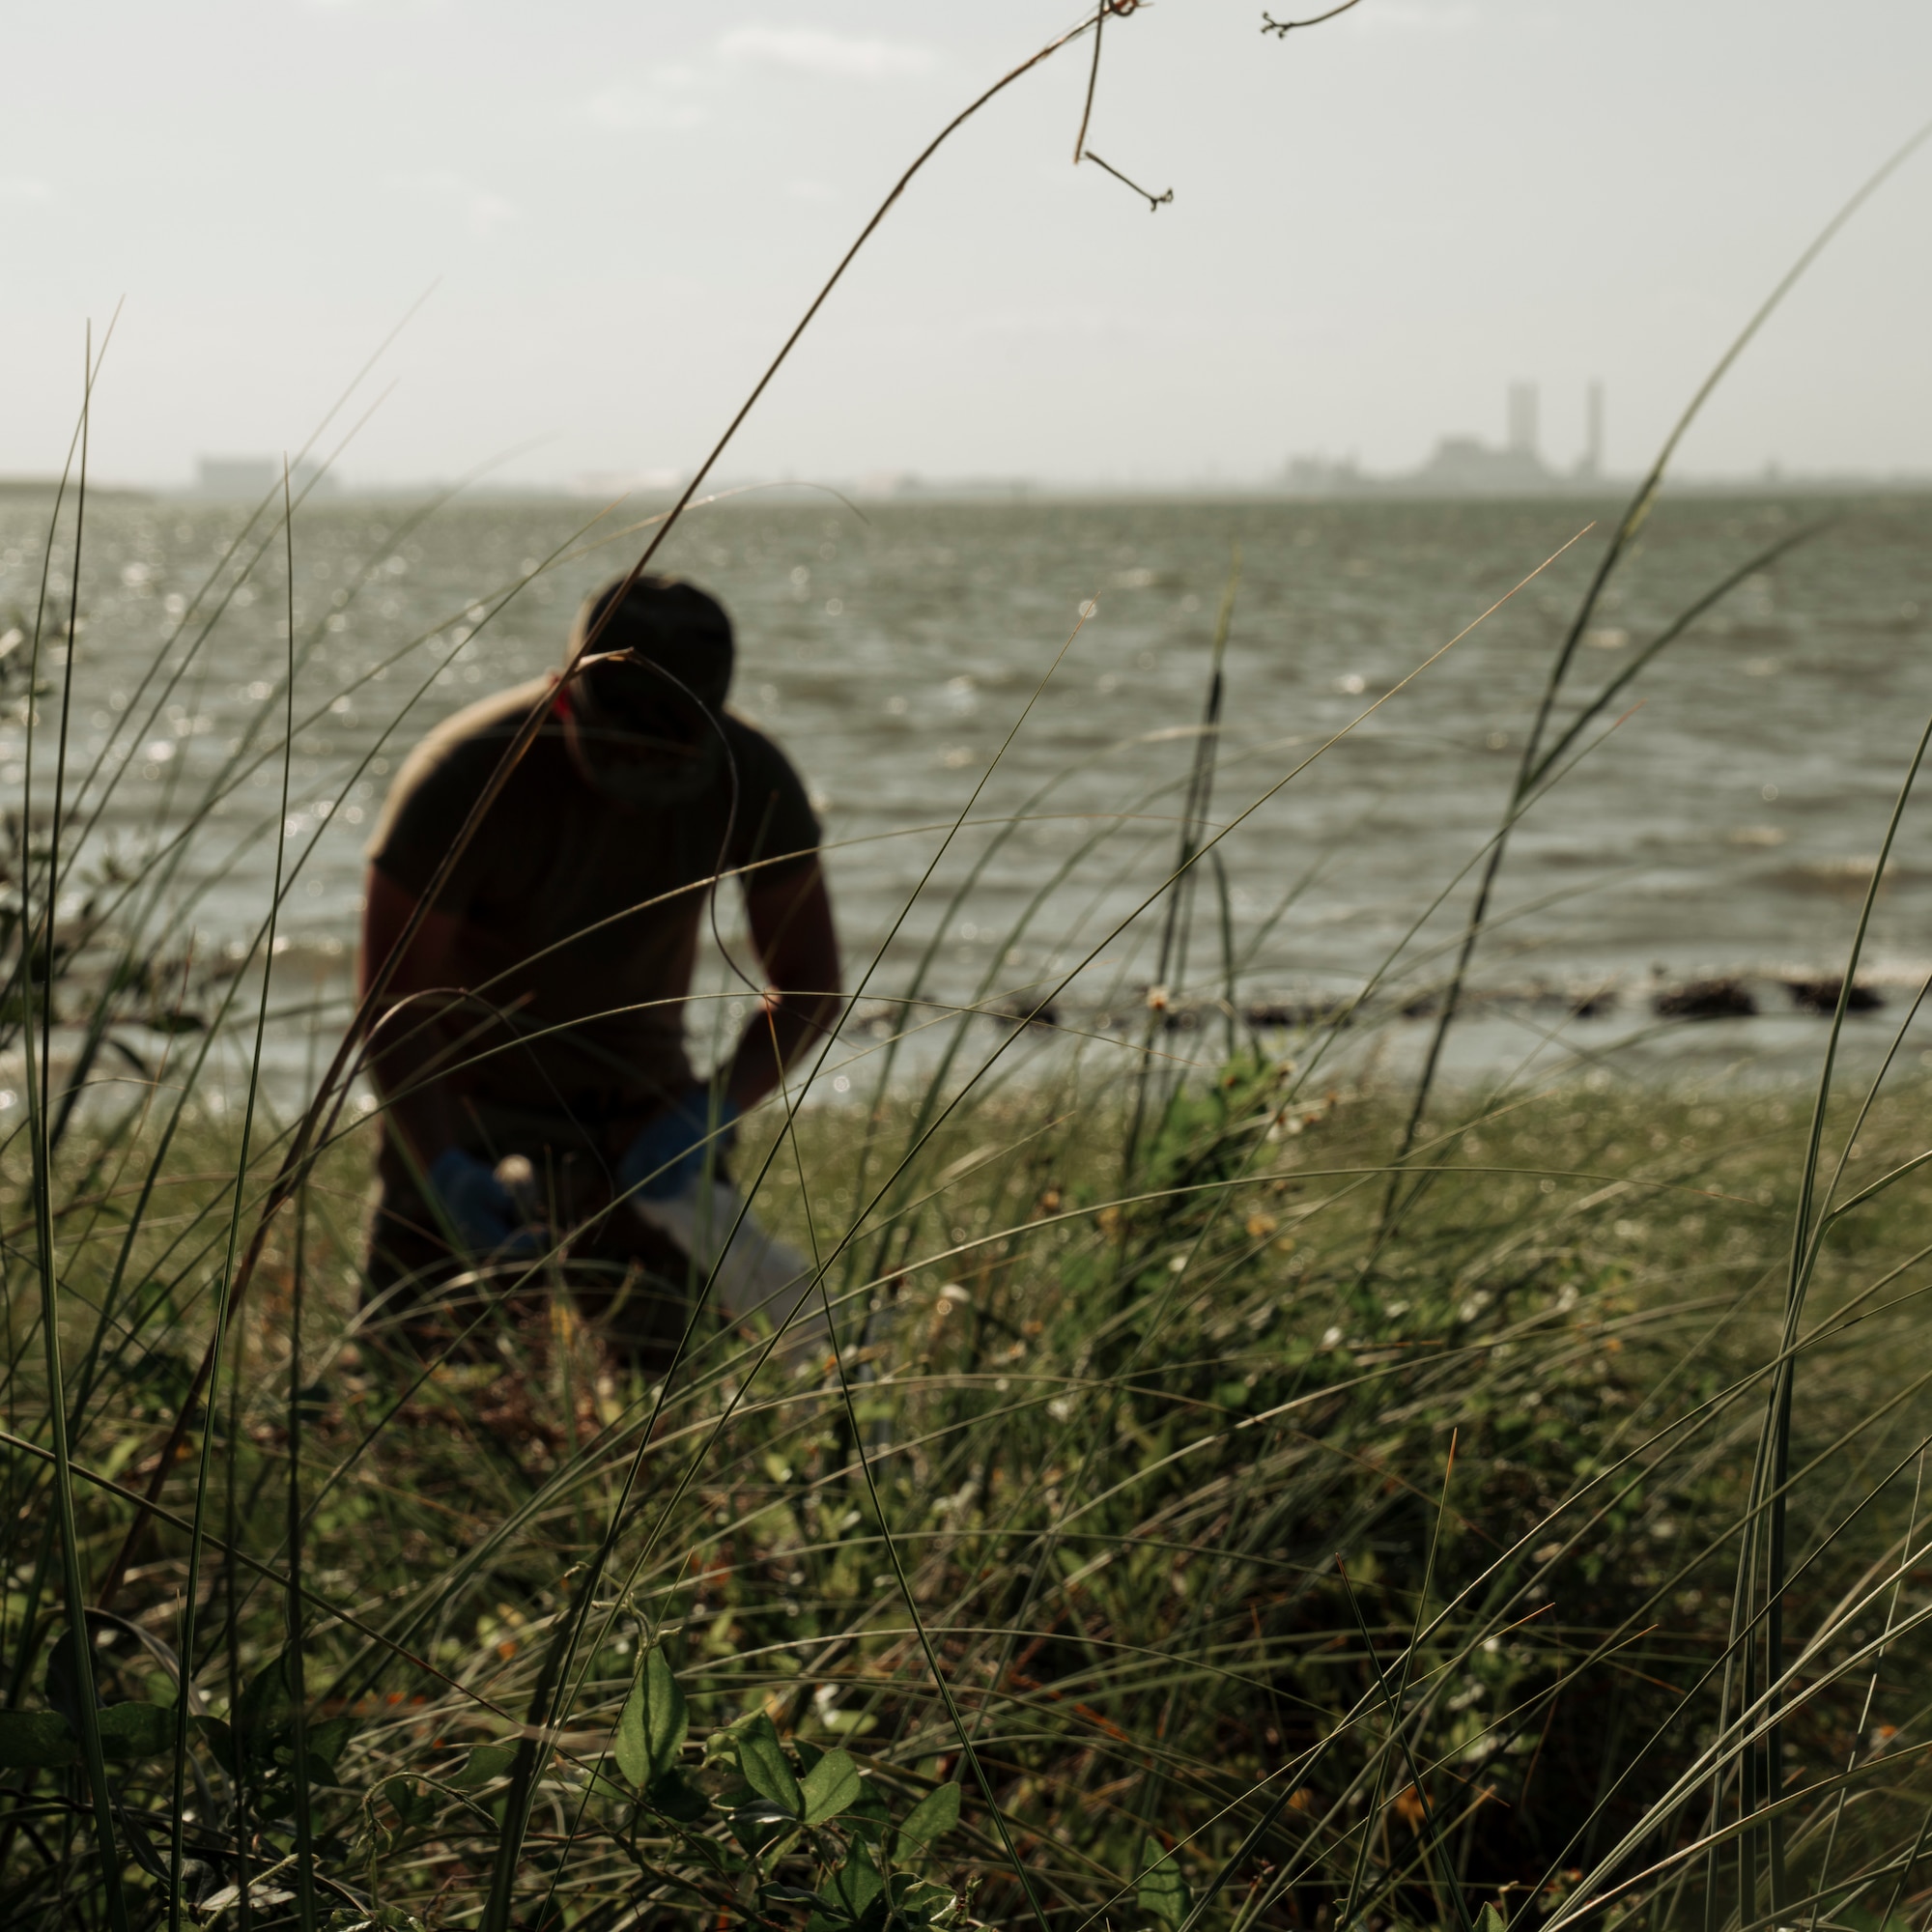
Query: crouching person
<point>529,1045</point>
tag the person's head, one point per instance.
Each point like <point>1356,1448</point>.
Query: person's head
<point>641,709</point>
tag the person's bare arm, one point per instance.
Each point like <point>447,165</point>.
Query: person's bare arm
<point>791,918</point>
<point>411,1038</point>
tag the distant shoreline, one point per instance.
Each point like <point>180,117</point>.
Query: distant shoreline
<point>25,489</point>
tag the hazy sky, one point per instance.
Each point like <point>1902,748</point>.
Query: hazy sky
<point>1375,225</point>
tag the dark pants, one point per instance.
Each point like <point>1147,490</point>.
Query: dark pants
<point>627,1280</point>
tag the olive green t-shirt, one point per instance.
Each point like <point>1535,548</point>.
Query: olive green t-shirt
<point>579,918</point>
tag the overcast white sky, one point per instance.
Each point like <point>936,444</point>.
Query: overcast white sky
<point>1375,225</point>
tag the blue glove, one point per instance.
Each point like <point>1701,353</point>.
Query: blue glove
<point>479,1206</point>
<point>669,1156</point>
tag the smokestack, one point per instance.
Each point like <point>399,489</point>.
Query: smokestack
<point>1592,464</point>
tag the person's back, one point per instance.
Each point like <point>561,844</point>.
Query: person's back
<point>536,1014</point>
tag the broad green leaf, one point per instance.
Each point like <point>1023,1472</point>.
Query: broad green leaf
<point>327,1738</point>
<point>1490,1919</point>
<point>710,1852</point>
<point>868,1815</point>
<point>137,1730</point>
<point>1163,1892</point>
<point>651,1729</point>
<point>918,1902</point>
<point>485,1762</point>
<point>760,1822</point>
<point>856,1883</point>
<point>627,1741</point>
<point>677,1797</point>
<point>762,1760</point>
<point>932,1817</point>
<point>218,1738</point>
<point>36,1740</point>
<point>265,1702</point>
<point>789,1894</point>
<point>413,1806</point>
<point>830,1786</point>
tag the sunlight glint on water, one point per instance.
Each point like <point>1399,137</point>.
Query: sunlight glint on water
<point>1726,826</point>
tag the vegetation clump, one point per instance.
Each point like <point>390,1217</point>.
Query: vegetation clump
<point>1230,1543</point>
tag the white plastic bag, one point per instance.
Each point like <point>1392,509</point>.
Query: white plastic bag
<point>758,1275</point>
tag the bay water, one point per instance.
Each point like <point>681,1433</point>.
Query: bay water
<point>997,706</point>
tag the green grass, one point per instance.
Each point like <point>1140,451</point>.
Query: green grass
<point>1160,1488</point>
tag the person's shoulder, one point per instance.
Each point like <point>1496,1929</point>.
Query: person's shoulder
<point>476,734</point>
<point>753,747</point>
<point>490,720</point>
<point>441,780</point>
<point>775,826</point>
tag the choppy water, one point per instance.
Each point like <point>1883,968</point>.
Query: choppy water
<point>1728,824</point>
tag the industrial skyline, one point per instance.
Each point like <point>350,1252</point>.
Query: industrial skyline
<point>1460,465</point>
<point>1466,465</point>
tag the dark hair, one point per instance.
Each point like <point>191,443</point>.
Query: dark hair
<point>663,621</point>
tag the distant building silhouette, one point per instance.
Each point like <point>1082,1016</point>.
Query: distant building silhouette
<point>1465,466</point>
<point>1323,476</point>
<point>1590,465</point>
